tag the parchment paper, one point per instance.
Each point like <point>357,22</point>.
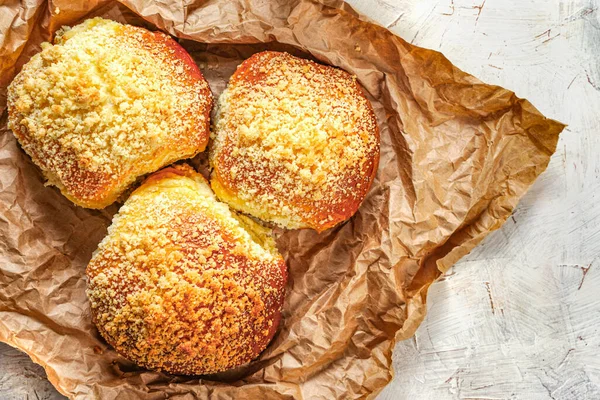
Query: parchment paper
<point>456,156</point>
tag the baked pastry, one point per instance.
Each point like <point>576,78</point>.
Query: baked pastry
<point>106,104</point>
<point>294,142</point>
<point>183,285</point>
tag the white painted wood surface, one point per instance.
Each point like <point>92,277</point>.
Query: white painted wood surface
<point>519,318</point>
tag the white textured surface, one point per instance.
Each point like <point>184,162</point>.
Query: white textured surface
<point>519,318</point>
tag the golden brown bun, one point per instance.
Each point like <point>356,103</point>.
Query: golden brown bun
<point>106,104</point>
<point>183,285</point>
<point>295,143</point>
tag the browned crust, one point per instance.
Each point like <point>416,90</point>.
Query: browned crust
<point>337,205</point>
<point>193,333</point>
<point>97,189</point>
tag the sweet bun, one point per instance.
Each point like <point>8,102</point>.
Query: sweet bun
<point>105,104</point>
<point>183,285</point>
<point>294,142</point>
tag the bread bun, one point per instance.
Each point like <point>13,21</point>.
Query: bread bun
<point>295,143</point>
<point>183,285</point>
<point>105,104</point>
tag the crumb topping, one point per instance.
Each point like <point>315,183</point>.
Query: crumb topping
<point>180,284</point>
<point>294,142</point>
<point>107,103</point>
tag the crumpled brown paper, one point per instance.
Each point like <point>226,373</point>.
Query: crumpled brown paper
<point>456,156</point>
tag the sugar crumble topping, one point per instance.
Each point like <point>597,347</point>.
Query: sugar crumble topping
<point>294,142</point>
<point>107,103</point>
<point>180,284</point>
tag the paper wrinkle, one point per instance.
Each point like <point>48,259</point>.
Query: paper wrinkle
<point>456,156</point>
